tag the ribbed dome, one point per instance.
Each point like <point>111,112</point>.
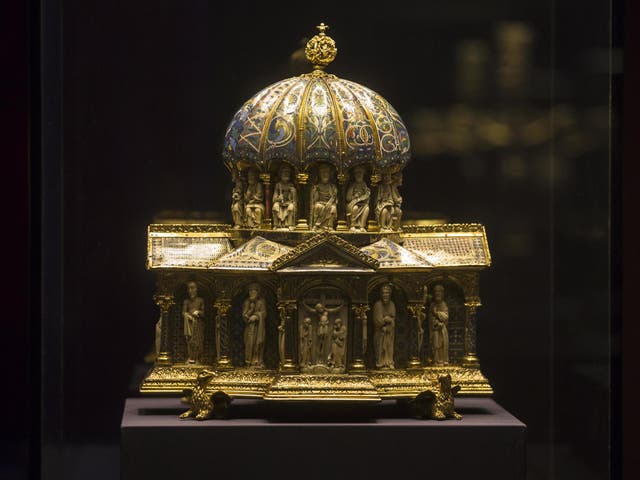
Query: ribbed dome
<point>317,116</point>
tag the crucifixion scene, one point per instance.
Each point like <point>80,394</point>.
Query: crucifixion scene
<point>323,317</point>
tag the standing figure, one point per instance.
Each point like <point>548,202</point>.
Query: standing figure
<point>397,201</point>
<point>357,198</point>
<point>285,201</point>
<point>253,201</point>
<point>193,317</point>
<point>306,342</point>
<point>237,202</point>
<point>322,333</point>
<point>254,313</point>
<point>438,321</point>
<point>324,197</point>
<point>385,205</point>
<point>338,340</point>
<point>384,322</point>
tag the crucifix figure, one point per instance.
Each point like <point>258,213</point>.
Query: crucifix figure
<point>322,333</point>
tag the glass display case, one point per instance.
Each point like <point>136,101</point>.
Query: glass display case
<point>509,111</point>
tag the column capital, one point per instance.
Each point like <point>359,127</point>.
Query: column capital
<point>164,302</point>
<point>223,305</point>
<point>417,309</point>
<point>360,309</point>
<point>265,177</point>
<point>302,178</point>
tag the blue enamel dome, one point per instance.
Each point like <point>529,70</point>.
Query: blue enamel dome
<point>317,116</point>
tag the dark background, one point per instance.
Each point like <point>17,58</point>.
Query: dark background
<point>136,99</point>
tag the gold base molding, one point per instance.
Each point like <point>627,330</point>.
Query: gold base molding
<point>271,385</point>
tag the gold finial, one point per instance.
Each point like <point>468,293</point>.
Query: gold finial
<point>321,49</point>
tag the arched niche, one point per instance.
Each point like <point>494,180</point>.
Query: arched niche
<point>237,324</point>
<point>178,344</point>
<point>316,353</point>
<point>455,298</point>
<point>402,325</point>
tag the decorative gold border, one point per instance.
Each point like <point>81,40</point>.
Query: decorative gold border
<point>271,385</point>
<point>319,239</point>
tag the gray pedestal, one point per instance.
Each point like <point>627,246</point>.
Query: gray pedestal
<point>320,441</point>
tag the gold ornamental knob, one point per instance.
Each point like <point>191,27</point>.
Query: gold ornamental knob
<point>321,49</point>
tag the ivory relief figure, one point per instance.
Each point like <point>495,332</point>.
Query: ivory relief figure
<point>254,314</point>
<point>306,343</point>
<point>237,202</point>
<point>193,323</point>
<point>338,341</point>
<point>285,201</point>
<point>389,202</point>
<point>438,327</point>
<point>322,335</point>
<point>397,201</point>
<point>358,194</point>
<point>324,198</point>
<point>384,325</point>
<point>253,200</point>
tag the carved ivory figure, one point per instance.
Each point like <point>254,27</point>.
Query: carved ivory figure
<point>324,197</point>
<point>306,342</point>
<point>384,322</point>
<point>357,198</point>
<point>338,340</point>
<point>322,332</point>
<point>193,318</point>
<point>253,201</point>
<point>397,201</point>
<point>438,321</point>
<point>237,202</point>
<point>285,201</point>
<point>385,205</point>
<point>254,313</point>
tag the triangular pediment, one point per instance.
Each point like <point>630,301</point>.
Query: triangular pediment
<point>325,251</point>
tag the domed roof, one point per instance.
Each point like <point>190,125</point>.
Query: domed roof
<point>317,116</point>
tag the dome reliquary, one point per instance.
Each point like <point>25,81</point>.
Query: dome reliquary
<point>317,289</point>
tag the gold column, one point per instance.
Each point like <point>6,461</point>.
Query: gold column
<point>358,337</point>
<point>416,333</point>
<point>343,178</point>
<point>372,223</point>
<point>164,302</point>
<point>470,358</point>
<point>303,208</point>
<point>288,310</point>
<point>266,181</point>
<point>223,342</point>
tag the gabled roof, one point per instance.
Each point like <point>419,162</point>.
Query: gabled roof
<point>186,246</point>
<point>257,254</point>
<point>392,255</point>
<point>449,245</point>
<point>325,250</point>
